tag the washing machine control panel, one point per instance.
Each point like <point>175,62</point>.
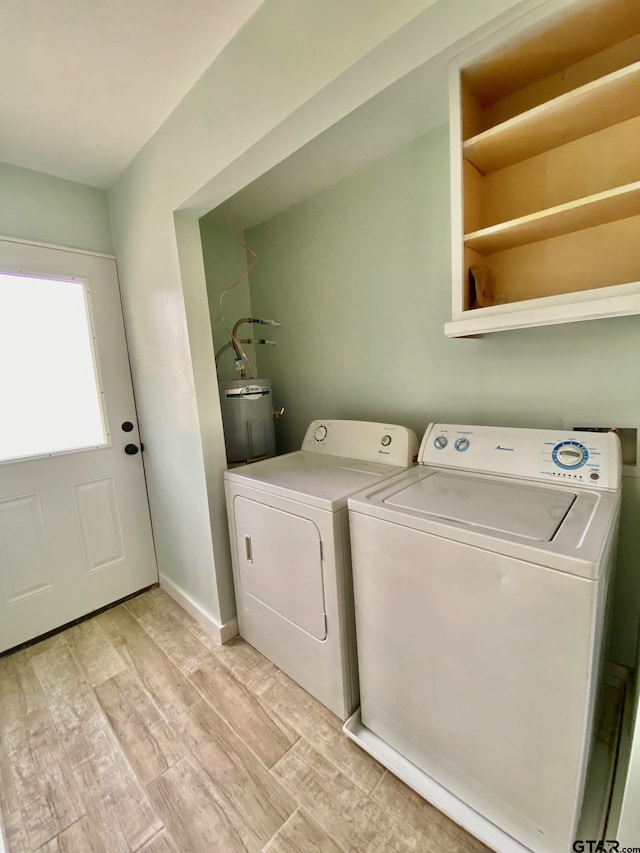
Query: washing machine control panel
<point>585,458</point>
<point>362,440</point>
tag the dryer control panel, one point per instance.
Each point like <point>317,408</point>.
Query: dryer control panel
<point>584,458</point>
<point>363,440</point>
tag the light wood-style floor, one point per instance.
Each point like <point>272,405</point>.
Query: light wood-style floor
<point>134,731</point>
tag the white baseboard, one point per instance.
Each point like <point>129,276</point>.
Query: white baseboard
<point>221,633</point>
<point>229,630</point>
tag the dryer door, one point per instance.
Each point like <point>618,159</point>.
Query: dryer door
<point>280,563</point>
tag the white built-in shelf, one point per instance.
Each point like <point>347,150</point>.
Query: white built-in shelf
<point>608,206</point>
<point>545,162</point>
<point>616,301</point>
<point>602,103</point>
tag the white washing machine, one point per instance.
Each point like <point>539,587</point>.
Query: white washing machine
<point>481,579</point>
<point>289,532</point>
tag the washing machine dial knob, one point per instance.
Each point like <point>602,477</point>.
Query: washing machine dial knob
<point>320,433</point>
<point>385,441</point>
<point>440,441</point>
<point>570,454</point>
<point>461,444</point>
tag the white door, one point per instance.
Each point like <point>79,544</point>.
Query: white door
<point>75,532</point>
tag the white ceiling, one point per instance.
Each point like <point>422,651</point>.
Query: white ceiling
<point>85,83</point>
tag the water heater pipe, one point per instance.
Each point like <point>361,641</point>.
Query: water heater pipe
<point>243,341</point>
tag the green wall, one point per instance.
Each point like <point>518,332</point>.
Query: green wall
<point>359,275</point>
<point>225,261</point>
<point>39,207</point>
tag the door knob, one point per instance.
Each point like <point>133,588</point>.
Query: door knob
<point>131,449</point>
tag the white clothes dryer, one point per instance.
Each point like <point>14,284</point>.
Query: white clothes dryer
<point>289,533</point>
<point>481,580</point>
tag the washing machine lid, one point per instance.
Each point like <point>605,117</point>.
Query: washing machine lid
<point>585,520</point>
<point>528,511</point>
<point>313,479</point>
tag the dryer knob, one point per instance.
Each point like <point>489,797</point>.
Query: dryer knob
<point>440,441</point>
<point>461,444</point>
<point>320,433</point>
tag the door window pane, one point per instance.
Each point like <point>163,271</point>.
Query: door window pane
<point>50,399</point>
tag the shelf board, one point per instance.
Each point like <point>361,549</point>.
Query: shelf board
<point>598,209</point>
<point>602,103</point>
<point>614,301</point>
